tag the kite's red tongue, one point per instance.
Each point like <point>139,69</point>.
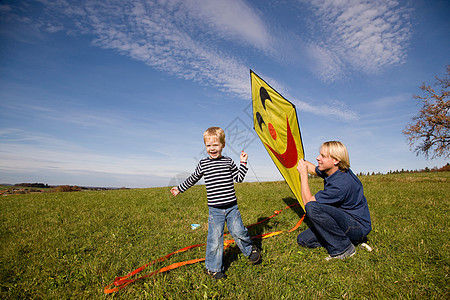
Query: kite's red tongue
<point>289,157</point>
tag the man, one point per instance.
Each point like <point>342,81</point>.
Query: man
<point>339,213</point>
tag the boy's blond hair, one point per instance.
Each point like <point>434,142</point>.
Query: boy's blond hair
<point>215,132</point>
<point>338,151</point>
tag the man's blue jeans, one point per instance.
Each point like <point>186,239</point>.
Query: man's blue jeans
<point>214,242</point>
<point>332,228</point>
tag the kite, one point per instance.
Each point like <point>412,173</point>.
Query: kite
<point>275,121</point>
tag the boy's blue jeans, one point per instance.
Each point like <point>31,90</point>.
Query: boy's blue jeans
<point>214,242</point>
<point>332,228</point>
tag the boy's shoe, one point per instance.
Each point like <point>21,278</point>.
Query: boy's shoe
<point>215,275</point>
<point>347,253</point>
<point>255,256</point>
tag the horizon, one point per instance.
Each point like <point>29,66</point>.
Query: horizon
<point>118,93</point>
<point>201,182</point>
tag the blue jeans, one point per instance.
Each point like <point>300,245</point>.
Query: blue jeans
<point>214,242</point>
<point>331,228</point>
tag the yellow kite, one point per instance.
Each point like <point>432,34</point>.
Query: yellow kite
<point>275,122</point>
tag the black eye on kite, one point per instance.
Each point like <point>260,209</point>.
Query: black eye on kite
<point>260,120</point>
<point>264,96</point>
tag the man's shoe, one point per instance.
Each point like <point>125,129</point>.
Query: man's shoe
<point>365,246</point>
<point>255,256</point>
<point>215,275</point>
<point>350,251</point>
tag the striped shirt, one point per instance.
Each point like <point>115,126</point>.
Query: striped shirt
<point>220,174</point>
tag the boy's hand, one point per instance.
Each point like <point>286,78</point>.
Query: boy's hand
<point>244,156</point>
<point>174,191</point>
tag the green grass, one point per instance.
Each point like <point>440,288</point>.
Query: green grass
<point>71,245</point>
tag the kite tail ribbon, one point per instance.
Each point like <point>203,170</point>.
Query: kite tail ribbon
<point>121,282</point>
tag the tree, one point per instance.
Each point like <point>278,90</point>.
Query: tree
<point>430,128</point>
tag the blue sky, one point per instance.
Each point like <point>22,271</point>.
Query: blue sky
<point>118,93</point>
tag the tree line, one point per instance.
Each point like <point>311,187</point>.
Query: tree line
<point>445,168</point>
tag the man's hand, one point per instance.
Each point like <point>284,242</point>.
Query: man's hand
<point>302,167</point>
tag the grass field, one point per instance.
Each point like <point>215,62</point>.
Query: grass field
<point>72,245</point>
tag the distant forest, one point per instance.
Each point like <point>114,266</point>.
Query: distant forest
<point>445,168</point>
<point>34,185</point>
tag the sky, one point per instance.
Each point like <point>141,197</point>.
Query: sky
<point>118,93</point>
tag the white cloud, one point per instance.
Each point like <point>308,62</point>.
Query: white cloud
<point>59,114</point>
<point>188,39</point>
<point>32,151</point>
<point>365,36</point>
<point>335,109</point>
<point>389,102</point>
<point>162,35</point>
<point>232,20</point>
<point>4,8</point>
<point>325,63</point>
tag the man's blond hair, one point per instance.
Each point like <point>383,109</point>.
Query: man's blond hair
<point>215,132</point>
<point>338,151</point>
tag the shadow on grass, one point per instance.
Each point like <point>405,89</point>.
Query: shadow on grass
<point>231,254</point>
<point>296,208</point>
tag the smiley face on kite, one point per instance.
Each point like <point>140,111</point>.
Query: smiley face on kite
<point>289,157</point>
<point>275,121</point>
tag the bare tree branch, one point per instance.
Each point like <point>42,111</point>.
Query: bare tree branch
<point>431,127</point>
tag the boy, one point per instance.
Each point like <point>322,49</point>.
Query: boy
<point>219,172</point>
<point>339,213</point>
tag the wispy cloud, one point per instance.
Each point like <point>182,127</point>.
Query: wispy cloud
<point>231,20</point>
<point>22,150</point>
<point>358,35</point>
<point>59,114</point>
<point>191,39</point>
<point>389,102</point>
<point>333,109</point>
<point>172,36</point>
